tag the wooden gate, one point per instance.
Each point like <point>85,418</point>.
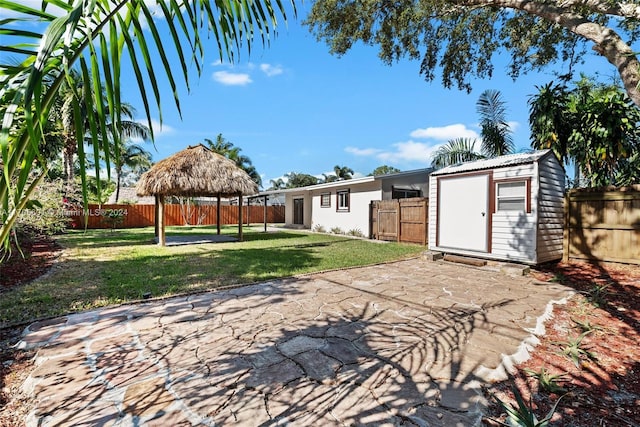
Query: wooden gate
<point>403,220</point>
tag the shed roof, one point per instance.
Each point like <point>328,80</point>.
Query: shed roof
<point>496,162</point>
<point>193,172</point>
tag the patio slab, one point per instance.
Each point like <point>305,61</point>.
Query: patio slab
<point>408,343</point>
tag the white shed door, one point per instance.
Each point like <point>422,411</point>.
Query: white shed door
<point>463,212</point>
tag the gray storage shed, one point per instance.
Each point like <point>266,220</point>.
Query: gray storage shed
<point>506,208</point>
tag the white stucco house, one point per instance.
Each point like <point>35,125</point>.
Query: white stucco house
<point>345,204</point>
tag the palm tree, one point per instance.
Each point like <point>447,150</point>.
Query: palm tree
<point>277,184</point>
<point>95,38</point>
<point>455,151</point>
<point>134,158</point>
<point>343,172</point>
<point>227,149</point>
<point>496,132</point>
<point>549,120</point>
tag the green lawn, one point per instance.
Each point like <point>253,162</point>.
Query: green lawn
<point>103,267</point>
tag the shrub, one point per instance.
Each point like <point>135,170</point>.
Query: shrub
<point>319,228</point>
<point>355,232</point>
<point>47,212</point>
<point>337,230</point>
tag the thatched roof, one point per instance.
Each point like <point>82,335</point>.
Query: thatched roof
<point>193,172</point>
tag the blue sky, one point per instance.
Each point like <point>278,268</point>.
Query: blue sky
<point>294,107</point>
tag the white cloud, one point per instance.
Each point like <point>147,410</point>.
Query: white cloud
<point>271,70</point>
<point>444,133</point>
<point>400,153</point>
<point>232,79</point>
<point>364,152</point>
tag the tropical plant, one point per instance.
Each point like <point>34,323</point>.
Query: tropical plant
<point>133,159</point>
<point>594,126</point>
<point>94,36</point>
<point>227,149</point>
<point>575,350</point>
<point>343,172</point>
<point>455,151</point>
<point>496,133</point>
<point>277,184</point>
<point>459,39</point>
<point>523,414</point>
<point>295,180</point>
<point>548,381</point>
<point>384,170</point>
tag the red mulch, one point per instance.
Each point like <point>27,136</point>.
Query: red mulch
<point>602,390</point>
<point>39,255</point>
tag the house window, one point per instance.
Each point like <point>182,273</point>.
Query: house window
<point>325,200</point>
<point>404,193</point>
<point>511,196</point>
<point>342,201</point>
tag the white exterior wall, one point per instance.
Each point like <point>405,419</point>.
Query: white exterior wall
<point>550,209</point>
<point>513,234</point>
<point>360,197</point>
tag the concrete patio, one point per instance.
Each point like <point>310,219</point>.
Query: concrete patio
<point>405,343</point>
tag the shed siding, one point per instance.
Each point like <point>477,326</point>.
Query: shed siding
<point>550,209</point>
<point>513,234</point>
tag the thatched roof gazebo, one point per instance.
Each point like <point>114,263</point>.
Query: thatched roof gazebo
<point>194,172</point>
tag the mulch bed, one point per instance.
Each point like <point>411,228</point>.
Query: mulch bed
<point>601,387</point>
<point>600,384</point>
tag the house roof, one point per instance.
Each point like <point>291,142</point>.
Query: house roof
<point>347,182</point>
<point>496,162</point>
<point>128,194</point>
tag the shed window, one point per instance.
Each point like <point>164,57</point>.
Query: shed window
<point>342,201</point>
<point>325,200</point>
<point>511,196</point>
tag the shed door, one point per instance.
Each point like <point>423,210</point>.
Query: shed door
<point>463,212</point>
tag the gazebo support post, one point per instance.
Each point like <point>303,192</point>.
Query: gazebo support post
<point>218,213</point>
<point>240,217</point>
<point>265,213</point>
<point>155,217</point>
<point>162,241</point>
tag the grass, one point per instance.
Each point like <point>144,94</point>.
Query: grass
<point>104,267</point>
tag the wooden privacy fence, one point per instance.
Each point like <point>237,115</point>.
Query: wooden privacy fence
<point>603,225</point>
<point>403,220</point>
<point>133,216</point>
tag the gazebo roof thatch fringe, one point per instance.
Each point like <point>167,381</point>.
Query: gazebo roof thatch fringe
<point>196,172</point>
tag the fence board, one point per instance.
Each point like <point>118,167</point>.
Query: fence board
<point>603,225</point>
<point>135,216</point>
<point>403,220</point>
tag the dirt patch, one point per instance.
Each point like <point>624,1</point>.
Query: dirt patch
<point>589,354</point>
